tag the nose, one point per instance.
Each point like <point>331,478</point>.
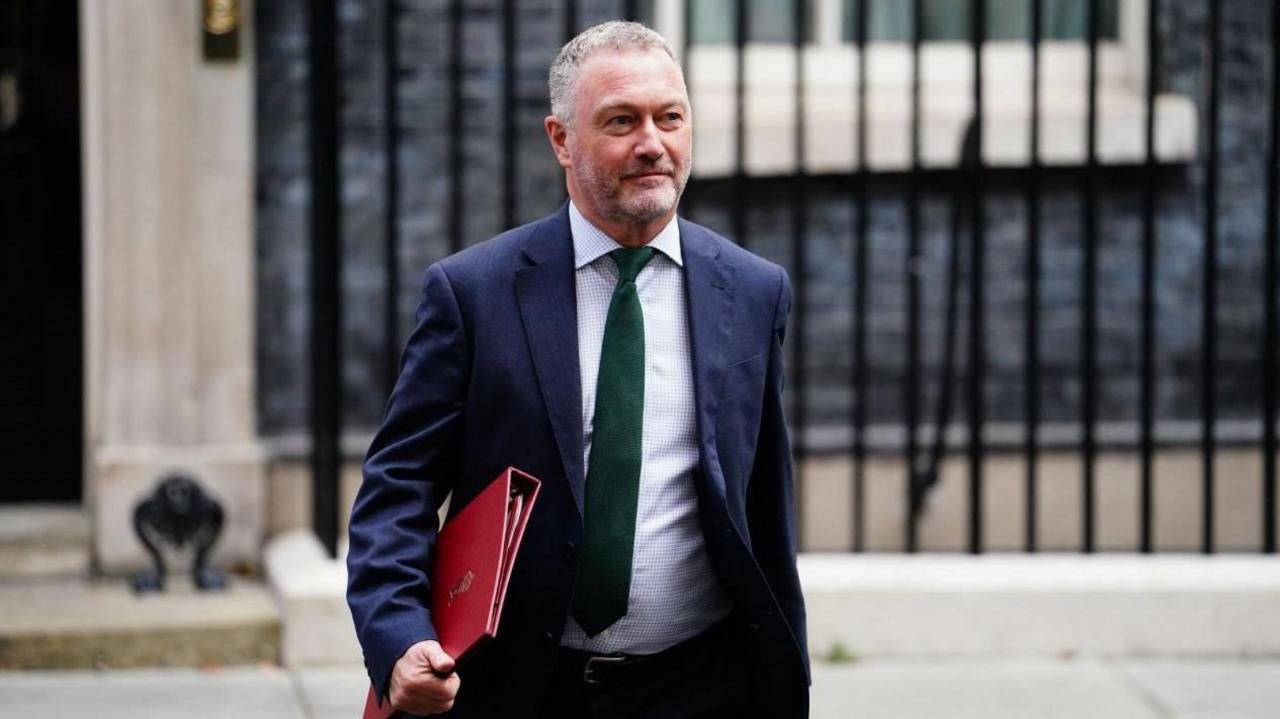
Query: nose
<point>649,142</point>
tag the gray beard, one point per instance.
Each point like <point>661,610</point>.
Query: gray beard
<point>609,201</point>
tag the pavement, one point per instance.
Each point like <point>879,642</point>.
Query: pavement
<point>879,689</point>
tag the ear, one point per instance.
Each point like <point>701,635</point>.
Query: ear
<point>558,134</point>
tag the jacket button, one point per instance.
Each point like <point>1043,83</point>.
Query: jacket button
<point>547,639</point>
<point>570,550</point>
<point>754,627</point>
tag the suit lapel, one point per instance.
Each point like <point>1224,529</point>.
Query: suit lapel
<point>709,286</point>
<point>547,295</point>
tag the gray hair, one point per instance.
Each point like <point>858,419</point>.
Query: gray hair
<point>615,35</point>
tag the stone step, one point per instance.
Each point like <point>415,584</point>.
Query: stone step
<point>41,541</point>
<point>77,623</point>
<point>1045,605</point>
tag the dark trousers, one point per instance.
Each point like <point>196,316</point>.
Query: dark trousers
<point>710,681</point>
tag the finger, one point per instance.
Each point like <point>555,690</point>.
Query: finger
<point>420,653</point>
<point>452,683</point>
<point>430,696</point>
<point>442,690</point>
<point>441,663</point>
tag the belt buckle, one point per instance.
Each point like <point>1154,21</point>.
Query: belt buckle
<point>588,669</point>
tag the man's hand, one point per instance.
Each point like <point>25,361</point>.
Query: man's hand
<point>423,680</point>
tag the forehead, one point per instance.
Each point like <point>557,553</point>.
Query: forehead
<point>608,76</point>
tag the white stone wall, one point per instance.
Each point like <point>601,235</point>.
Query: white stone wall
<point>169,297</point>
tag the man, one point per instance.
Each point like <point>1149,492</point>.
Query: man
<point>633,363</point>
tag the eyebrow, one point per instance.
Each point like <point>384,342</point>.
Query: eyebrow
<point>630,106</point>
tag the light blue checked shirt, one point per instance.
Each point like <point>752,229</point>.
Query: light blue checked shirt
<point>675,594</point>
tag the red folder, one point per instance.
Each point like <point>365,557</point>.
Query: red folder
<point>475,552</point>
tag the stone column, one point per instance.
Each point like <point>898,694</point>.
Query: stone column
<point>169,269</point>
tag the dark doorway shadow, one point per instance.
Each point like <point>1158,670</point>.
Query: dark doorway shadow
<point>41,327</point>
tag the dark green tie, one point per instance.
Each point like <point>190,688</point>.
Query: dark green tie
<point>613,472</point>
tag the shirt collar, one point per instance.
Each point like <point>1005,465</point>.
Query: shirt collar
<point>591,242</point>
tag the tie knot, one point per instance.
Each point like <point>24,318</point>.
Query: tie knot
<point>631,260</point>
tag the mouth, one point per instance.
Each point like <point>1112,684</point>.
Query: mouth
<point>646,175</point>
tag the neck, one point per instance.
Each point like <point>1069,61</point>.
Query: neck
<point>627,234</point>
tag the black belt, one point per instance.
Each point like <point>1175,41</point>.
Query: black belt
<point>611,669</point>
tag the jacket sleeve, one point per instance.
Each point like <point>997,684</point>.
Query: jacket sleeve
<point>771,492</point>
<point>408,472</point>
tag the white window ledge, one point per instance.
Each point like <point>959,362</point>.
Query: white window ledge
<point>946,108</point>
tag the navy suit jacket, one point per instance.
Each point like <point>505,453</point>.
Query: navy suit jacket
<point>490,378</point>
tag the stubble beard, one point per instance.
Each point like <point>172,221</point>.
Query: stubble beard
<point>614,202</point>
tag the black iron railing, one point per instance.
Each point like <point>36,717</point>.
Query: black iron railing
<point>326,272</point>
<point>968,185</point>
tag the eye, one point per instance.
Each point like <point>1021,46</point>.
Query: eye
<point>618,121</point>
<point>670,118</point>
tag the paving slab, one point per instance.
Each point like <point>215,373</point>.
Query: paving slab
<point>1208,689</point>
<point>883,689</point>
<point>231,693</point>
<point>1039,689</point>
<point>332,692</point>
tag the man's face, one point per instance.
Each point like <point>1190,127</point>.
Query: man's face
<point>629,151</point>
